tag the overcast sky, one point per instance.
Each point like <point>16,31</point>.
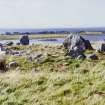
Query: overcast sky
<point>51,13</point>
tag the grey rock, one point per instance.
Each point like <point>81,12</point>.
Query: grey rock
<point>16,53</point>
<point>88,45</point>
<point>76,45</point>
<point>9,43</point>
<point>24,40</point>
<point>9,51</point>
<point>13,64</point>
<point>6,50</point>
<point>81,57</point>
<point>18,43</point>
<point>12,52</point>
<point>92,56</point>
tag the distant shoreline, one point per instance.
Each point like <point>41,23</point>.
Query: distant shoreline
<point>38,36</point>
<point>42,36</point>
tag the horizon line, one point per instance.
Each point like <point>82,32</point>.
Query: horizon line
<point>55,27</point>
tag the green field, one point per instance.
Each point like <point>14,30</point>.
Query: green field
<point>39,36</point>
<point>57,80</point>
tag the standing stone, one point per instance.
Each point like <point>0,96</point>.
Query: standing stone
<point>76,45</point>
<point>24,40</point>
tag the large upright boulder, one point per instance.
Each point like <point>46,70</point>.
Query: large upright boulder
<point>24,40</point>
<point>76,45</point>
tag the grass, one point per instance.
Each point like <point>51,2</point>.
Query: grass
<point>39,36</point>
<point>58,81</point>
<point>42,36</point>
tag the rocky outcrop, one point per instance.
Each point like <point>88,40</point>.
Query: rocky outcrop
<point>76,45</point>
<point>24,40</point>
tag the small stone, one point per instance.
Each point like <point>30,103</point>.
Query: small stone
<point>92,56</point>
<point>8,51</point>
<point>13,64</point>
<point>9,43</point>
<point>18,43</point>
<point>16,53</point>
<point>81,57</point>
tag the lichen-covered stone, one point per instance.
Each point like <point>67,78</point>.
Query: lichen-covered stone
<point>24,40</point>
<point>76,45</point>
